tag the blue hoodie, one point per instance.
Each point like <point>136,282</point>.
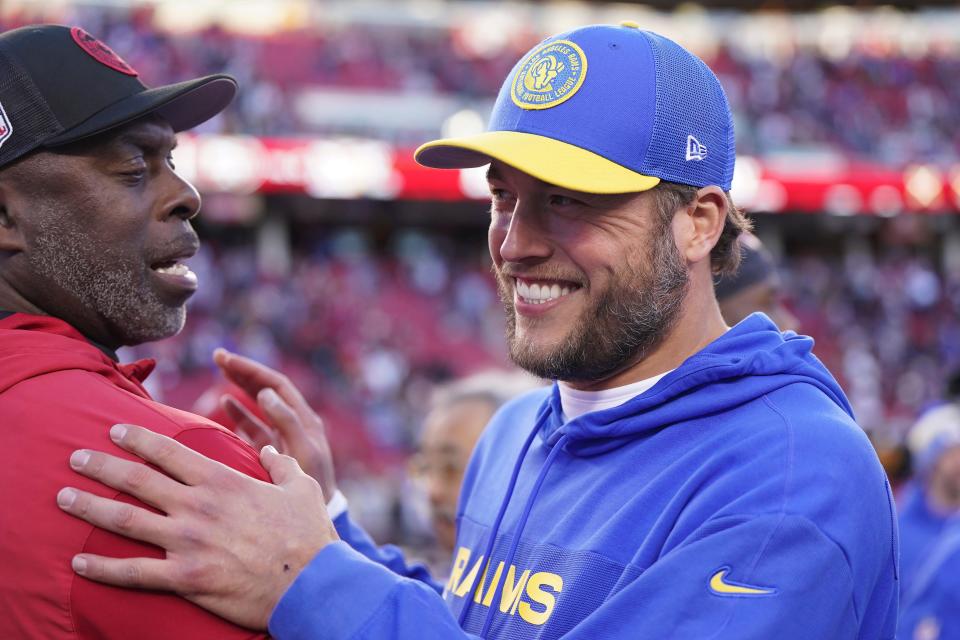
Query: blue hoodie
<point>737,498</point>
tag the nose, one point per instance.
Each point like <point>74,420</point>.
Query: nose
<point>436,491</point>
<point>183,200</point>
<point>523,238</point>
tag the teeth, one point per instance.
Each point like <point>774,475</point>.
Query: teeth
<point>539,293</point>
<point>523,289</point>
<point>178,269</point>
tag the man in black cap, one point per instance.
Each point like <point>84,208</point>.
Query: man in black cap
<point>756,286</point>
<point>94,228</point>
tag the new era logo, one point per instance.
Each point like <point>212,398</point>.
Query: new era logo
<point>695,149</point>
<point>6,129</point>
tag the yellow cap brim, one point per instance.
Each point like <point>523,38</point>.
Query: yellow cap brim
<point>546,159</point>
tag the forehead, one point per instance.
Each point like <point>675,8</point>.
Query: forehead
<point>500,172</point>
<point>149,134</point>
<point>456,423</point>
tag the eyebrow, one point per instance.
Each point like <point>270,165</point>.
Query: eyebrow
<point>148,141</point>
<point>493,174</point>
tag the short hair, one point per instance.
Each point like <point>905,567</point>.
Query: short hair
<point>493,386</point>
<point>725,256</point>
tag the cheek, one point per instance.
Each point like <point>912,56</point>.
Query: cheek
<point>495,237</point>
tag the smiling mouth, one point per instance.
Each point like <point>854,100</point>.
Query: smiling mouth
<point>542,291</point>
<point>176,273</point>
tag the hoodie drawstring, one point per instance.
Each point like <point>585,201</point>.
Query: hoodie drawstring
<point>541,417</point>
<point>557,448</point>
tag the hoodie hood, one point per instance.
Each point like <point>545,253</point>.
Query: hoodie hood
<point>751,359</point>
<point>32,346</point>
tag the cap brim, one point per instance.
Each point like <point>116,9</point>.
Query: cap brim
<point>183,105</point>
<point>546,159</point>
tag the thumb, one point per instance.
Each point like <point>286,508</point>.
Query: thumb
<point>282,469</point>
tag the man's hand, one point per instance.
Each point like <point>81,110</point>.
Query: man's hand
<point>234,544</point>
<point>293,428</point>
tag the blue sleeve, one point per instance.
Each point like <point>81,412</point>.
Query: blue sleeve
<point>388,555</point>
<point>760,577</point>
<point>343,595</point>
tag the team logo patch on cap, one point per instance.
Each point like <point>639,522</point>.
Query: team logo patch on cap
<point>6,129</point>
<point>550,75</point>
<point>101,52</point>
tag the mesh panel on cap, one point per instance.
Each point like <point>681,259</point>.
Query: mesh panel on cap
<point>27,112</point>
<point>690,101</point>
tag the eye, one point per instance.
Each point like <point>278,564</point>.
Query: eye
<point>500,198</point>
<point>135,175</point>
<point>558,200</point>
<point>171,163</point>
<point>134,170</point>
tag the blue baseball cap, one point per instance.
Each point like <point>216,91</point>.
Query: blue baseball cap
<point>604,109</point>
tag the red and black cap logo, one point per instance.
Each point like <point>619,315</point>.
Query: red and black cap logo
<point>101,52</point>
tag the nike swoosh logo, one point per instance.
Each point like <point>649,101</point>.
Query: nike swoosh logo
<point>720,586</point>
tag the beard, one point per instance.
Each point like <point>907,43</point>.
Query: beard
<point>110,280</point>
<point>624,325</point>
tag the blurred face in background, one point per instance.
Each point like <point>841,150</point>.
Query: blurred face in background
<point>766,297</point>
<point>944,484</point>
<point>450,433</point>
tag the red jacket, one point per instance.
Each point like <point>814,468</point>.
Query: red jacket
<point>59,393</point>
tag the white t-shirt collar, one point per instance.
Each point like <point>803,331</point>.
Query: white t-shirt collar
<point>575,402</point>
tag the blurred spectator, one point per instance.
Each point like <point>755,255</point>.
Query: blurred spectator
<point>930,609</point>
<point>459,411</point>
<point>930,586</point>
<point>755,287</point>
<point>932,501</point>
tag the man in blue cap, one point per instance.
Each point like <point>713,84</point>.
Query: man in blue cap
<point>680,479</point>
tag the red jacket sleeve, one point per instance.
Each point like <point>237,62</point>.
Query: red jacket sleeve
<point>105,612</point>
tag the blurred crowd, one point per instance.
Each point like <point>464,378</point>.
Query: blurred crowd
<point>887,325</point>
<point>781,102</point>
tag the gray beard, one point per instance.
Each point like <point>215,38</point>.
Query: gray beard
<point>112,283</point>
<point>627,322</point>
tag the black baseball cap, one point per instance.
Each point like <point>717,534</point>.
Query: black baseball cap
<point>59,84</point>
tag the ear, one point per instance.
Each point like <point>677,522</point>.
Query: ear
<point>698,227</point>
<point>11,234</point>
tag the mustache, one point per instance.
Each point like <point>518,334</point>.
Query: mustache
<point>179,248</point>
<point>539,272</point>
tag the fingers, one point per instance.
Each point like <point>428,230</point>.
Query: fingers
<point>251,376</point>
<point>178,461</point>
<point>118,517</point>
<point>248,425</point>
<point>136,573</point>
<point>282,469</point>
<point>282,416</point>
<point>133,478</point>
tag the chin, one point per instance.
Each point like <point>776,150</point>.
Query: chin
<point>153,326</point>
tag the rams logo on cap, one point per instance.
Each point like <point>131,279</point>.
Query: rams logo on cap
<point>550,75</point>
